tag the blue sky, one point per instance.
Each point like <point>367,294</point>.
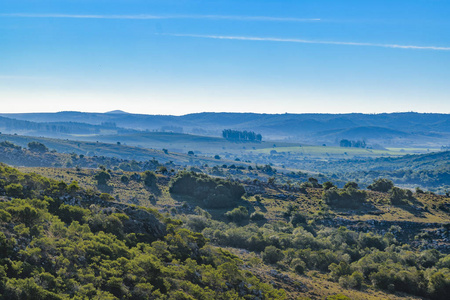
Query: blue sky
<point>178,57</point>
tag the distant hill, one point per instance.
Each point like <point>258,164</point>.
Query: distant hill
<point>116,112</point>
<point>388,129</point>
<point>58,128</point>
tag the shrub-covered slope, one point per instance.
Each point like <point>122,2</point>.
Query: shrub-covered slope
<point>97,249</point>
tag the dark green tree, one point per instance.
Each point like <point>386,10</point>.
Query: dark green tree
<point>124,179</point>
<point>272,255</point>
<point>351,184</point>
<point>149,179</point>
<point>381,185</point>
<point>102,178</point>
<point>397,195</point>
<point>37,147</point>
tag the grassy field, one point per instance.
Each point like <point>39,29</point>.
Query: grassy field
<point>118,150</point>
<point>414,150</point>
<point>331,151</point>
<point>180,142</point>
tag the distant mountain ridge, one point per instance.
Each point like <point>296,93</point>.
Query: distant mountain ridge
<point>58,128</point>
<point>426,129</point>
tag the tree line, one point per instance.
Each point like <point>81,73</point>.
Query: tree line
<point>352,144</point>
<point>241,136</point>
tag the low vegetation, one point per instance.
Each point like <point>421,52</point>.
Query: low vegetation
<point>98,227</point>
<point>53,250</point>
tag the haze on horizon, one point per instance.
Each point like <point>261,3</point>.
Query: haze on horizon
<point>180,57</point>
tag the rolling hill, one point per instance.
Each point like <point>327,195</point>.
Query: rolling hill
<point>401,129</point>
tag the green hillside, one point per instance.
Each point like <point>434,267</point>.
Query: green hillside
<point>118,150</point>
<point>278,236</point>
<point>98,249</point>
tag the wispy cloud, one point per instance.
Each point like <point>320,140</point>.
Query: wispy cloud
<point>21,77</point>
<point>301,41</point>
<point>156,17</point>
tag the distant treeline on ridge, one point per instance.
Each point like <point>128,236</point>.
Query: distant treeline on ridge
<point>242,136</point>
<point>352,144</point>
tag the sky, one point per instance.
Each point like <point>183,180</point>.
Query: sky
<point>179,57</point>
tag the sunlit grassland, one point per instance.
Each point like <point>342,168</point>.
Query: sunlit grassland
<point>327,151</point>
<point>133,192</point>
<point>312,204</point>
<point>414,150</point>
<point>120,150</point>
<point>180,142</point>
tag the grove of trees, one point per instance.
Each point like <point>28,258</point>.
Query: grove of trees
<point>241,136</point>
<point>352,144</point>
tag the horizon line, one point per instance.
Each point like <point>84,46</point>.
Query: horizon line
<point>226,112</point>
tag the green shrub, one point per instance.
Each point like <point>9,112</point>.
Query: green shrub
<point>272,255</point>
<point>298,218</point>
<point>238,215</point>
<point>6,144</point>
<point>353,281</point>
<point>27,289</point>
<point>73,187</point>
<point>348,197</point>
<point>397,196</point>
<point>198,223</point>
<point>328,185</point>
<point>102,177</point>
<point>106,197</point>
<point>314,182</point>
<point>5,216</point>
<point>37,147</point>
<point>381,185</point>
<point>213,192</point>
<point>69,213</point>
<point>124,179</point>
<point>25,213</point>
<point>351,184</point>
<point>14,190</point>
<point>339,270</point>
<point>298,265</point>
<point>257,216</point>
<point>149,179</point>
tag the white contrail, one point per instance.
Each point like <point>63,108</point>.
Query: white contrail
<point>71,16</point>
<point>152,17</point>
<point>20,77</point>
<point>301,41</point>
